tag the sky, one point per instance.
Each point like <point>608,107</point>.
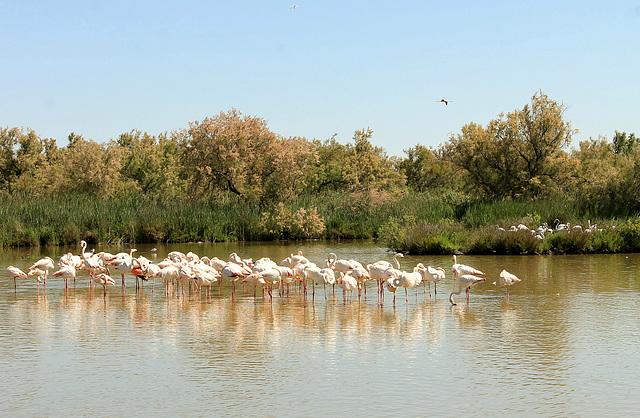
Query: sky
<point>103,68</point>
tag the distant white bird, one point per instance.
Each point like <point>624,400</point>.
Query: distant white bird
<point>446,102</point>
<point>507,279</point>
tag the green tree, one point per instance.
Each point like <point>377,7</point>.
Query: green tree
<point>150,162</point>
<point>284,175</point>
<point>21,153</point>
<point>84,166</point>
<point>520,154</point>
<point>372,167</point>
<point>331,170</point>
<point>425,169</point>
<point>354,166</point>
<point>623,144</point>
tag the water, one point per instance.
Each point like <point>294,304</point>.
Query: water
<point>565,343</point>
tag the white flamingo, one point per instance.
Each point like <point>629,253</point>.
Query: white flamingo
<point>104,280</point>
<point>408,280</point>
<point>465,282</point>
<point>44,264</point>
<point>348,283</point>
<point>507,279</point>
<point>16,273</point>
<point>66,272</point>
<point>433,274</point>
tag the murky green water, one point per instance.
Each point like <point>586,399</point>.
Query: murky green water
<point>565,343</point>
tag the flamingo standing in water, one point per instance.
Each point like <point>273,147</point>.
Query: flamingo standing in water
<point>104,280</point>
<point>407,280</point>
<point>465,282</point>
<point>66,272</point>
<point>16,273</point>
<point>461,269</point>
<point>434,274</point>
<point>44,264</point>
<point>507,279</point>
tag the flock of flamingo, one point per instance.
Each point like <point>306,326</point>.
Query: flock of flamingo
<point>179,269</point>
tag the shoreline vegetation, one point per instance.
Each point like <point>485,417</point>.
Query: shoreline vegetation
<point>409,223</point>
<point>486,190</point>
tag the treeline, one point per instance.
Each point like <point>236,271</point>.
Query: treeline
<point>229,177</point>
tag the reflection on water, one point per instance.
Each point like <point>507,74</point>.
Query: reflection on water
<point>559,346</point>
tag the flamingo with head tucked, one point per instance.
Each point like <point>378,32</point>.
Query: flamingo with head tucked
<point>16,273</point>
<point>507,279</point>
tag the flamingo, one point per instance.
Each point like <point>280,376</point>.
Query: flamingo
<point>271,277</point>
<point>465,282</point>
<point>151,271</point>
<point>91,262</point>
<point>461,269</point>
<point>391,287</point>
<point>205,279</point>
<point>104,280</point>
<point>66,272</point>
<point>407,280</point>
<point>433,274</point>
<point>168,274</point>
<point>126,265</point>
<point>326,276</point>
<point>341,266</point>
<point>348,283</point>
<point>40,276</point>
<point>446,102</point>
<point>507,279</point>
<point>232,272</point>
<point>298,259</point>
<point>255,280</point>
<point>44,264</point>
<point>16,273</point>
<point>186,275</point>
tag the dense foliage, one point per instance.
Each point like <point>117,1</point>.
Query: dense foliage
<point>228,177</point>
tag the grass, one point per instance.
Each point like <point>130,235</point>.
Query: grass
<point>418,224</point>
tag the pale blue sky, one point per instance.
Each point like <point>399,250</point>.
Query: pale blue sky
<point>102,68</point>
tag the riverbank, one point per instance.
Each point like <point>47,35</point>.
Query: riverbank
<point>446,223</point>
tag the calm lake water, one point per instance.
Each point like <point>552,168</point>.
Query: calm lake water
<point>566,343</point>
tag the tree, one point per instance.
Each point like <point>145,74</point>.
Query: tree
<point>518,154</point>
<point>283,177</point>
<point>150,163</point>
<point>20,155</point>
<point>227,152</point>
<point>425,169</point>
<point>331,170</point>
<point>623,144</point>
<point>370,164</point>
<point>84,166</point>
<point>357,166</point>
